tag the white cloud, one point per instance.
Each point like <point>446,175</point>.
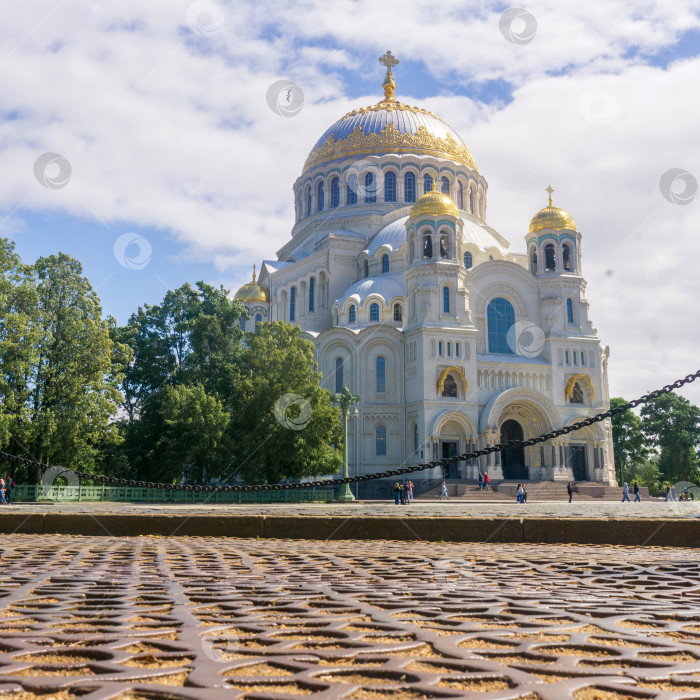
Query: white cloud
<point>164,128</point>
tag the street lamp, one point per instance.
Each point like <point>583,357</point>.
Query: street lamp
<point>345,400</point>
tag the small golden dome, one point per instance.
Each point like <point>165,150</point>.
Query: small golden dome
<point>253,291</point>
<point>434,203</point>
<point>551,217</point>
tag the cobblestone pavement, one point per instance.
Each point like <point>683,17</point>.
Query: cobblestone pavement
<point>588,509</point>
<point>191,618</point>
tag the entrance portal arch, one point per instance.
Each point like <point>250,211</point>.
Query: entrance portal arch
<point>513,459</point>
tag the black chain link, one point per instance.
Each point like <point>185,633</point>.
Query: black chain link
<point>328,483</point>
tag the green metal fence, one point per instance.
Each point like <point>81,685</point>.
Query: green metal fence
<point>146,495</point>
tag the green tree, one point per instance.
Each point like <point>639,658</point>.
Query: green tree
<point>298,441</point>
<point>648,474</point>
<point>629,441</point>
<point>672,424</point>
<point>73,376</point>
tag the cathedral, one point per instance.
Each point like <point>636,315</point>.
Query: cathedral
<point>453,339</point>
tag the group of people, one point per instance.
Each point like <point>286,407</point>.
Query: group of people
<point>484,480</point>
<point>521,494</point>
<point>403,493</point>
<point>6,486</point>
<point>635,489</point>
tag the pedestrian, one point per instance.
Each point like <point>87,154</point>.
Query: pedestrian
<point>443,491</point>
<point>402,493</point>
<point>637,495</point>
<point>524,494</point>
<point>669,495</point>
<point>397,493</point>
<point>481,480</point>
<point>487,481</point>
<point>406,497</point>
<point>2,491</point>
<point>9,485</point>
<point>521,493</point>
<point>410,492</point>
<point>625,492</point>
<point>570,491</point>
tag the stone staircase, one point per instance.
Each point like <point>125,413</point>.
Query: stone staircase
<point>537,491</point>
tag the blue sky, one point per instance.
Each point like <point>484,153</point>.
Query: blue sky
<point>161,110</point>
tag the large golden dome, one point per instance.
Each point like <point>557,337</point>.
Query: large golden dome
<point>551,217</point>
<point>434,203</point>
<point>253,291</point>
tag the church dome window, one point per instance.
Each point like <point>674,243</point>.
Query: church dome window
<point>385,263</point>
<point>374,311</point>
<point>365,269</point>
<point>335,192</point>
<point>308,200</point>
<point>292,303</point>
<point>370,188</point>
<point>533,260</point>
<point>427,246</point>
<point>312,294</point>
<point>444,252</point>
<point>446,300</point>
<point>427,183</point>
<point>398,315</point>
<point>550,263</point>
<point>445,185</point>
<point>352,189</point>
<point>320,196</point>
<point>409,187</point>
<point>468,260</point>
<point>352,313</point>
<point>390,186</point>
<point>471,201</point>
<point>500,318</point>
<point>566,255</point>
<point>460,196</point>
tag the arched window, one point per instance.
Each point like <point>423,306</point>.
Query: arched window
<point>427,183</point>
<point>415,437</point>
<point>427,245</point>
<point>456,349</point>
<point>381,375</point>
<point>569,311</point>
<point>258,319</point>
<point>446,300</point>
<point>335,192</point>
<point>444,253</point>
<point>292,303</point>
<point>385,263</point>
<point>449,388</point>
<point>352,189</point>
<point>338,375</point>
<point>566,355</point>
<point>440,348</point>
<point>374,311</point>
<point>390,187</point>
<point>370,188</point>
<point>319,196</point>
<point>243,323</point>
<point>409,187</point>
<point>365,269</point>
<point>500,317</point>
<point>468,262</point>
<point>533,260</point>
<point>471,201</point>
<point>308,200</point>
<point>312,290</point>
<point>445,185</point>
<point>576,394</point>
<point>449,348</point>
<point>380,441</point>
<point>397,312</point>
<point>566,255</point>
<point>460,196</point>
<point>352,314</point>
<point>583,358</point>
<point>550,263</point>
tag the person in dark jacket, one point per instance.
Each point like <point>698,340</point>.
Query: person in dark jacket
<point>637,495</point>
<point>570,491</point>
<point>397,493</point>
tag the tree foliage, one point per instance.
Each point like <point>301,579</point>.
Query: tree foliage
<point>629,442</point>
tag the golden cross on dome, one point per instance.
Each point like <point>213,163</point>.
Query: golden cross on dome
<point>253,272</point>
<point>549,189</point>
<point>389,85</point>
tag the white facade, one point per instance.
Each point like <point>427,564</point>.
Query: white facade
<point>452,339</point>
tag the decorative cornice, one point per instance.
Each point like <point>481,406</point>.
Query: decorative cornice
<point>359,143</point>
